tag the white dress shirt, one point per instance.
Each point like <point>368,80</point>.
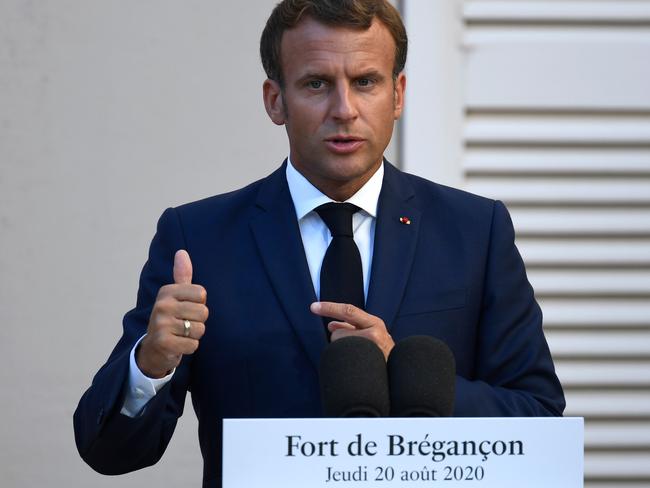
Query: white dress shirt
<point>316,238</point>
<point>315,234</point>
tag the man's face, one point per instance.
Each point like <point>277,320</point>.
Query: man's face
<point>339,102</point>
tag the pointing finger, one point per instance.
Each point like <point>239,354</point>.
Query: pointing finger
<point>344,312</point>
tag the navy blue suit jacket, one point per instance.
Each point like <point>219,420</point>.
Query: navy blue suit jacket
<point>454,274</point>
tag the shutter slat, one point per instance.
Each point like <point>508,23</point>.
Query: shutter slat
<point>582,253</point>
<point>595,313</point>
<point>622,464</point>
<point>591,373</point>
<point>608,404</point>
<point>608,435</point>
<point>591,282</point>
<point>563,191</point>
<point>558,69</point>
<point>559,128</point>
<point>600,344</point>
<point>599,483</point>
<point>565,11</point>
<point>557,161</point>
<point>588,222</point>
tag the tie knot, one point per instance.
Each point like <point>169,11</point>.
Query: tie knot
<point>338,217</point>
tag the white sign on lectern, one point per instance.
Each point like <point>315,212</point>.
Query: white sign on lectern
<point>408,453</point>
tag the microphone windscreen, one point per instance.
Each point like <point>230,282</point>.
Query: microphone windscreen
<point>353,379</point>
<point>422,376</point>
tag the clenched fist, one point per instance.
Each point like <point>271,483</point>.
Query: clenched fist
<point>163,347</point>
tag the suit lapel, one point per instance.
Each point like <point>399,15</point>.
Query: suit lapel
<point>395,243</point>
<point>277,236</point>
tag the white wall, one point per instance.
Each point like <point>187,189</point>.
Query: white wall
<point>109,113</point>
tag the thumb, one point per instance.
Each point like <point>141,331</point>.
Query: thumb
<point>182,267</point>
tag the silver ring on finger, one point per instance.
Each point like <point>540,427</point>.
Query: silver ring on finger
<point>187,326</point>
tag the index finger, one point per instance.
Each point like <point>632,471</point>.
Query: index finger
<point>344,312</point>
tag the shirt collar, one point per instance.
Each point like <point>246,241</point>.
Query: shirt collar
<point>306,197</point>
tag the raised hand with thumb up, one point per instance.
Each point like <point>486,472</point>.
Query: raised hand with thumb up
<point>176,324</point>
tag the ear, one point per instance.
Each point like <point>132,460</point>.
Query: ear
<point>273,102</point>
<point>400,88</point>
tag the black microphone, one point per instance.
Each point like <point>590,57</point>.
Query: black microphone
<point>422,375</point>
<point>353,379</point>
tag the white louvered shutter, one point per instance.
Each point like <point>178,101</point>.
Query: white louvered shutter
<point>554,119</point>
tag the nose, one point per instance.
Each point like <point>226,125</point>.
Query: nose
<point>343,107</point>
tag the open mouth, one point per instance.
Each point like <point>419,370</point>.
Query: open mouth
<point>343,144</point>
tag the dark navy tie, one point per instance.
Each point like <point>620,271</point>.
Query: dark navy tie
<point>341,275</point>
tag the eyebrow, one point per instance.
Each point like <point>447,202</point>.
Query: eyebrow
<point>371,73</point>
<point>313,75</point>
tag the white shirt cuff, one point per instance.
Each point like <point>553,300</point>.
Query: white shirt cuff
<point>140,388</point>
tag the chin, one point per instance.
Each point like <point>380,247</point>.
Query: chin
<point>350,168</point>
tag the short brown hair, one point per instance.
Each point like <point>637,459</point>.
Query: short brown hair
<point>357,14</point>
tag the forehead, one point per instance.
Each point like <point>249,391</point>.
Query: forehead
<point>314,45</point>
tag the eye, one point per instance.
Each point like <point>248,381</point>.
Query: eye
<point>365,82</point>
<point>316,84</point>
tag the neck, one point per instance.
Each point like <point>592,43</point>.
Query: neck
<point>338,190</point>
<point>342,191</point>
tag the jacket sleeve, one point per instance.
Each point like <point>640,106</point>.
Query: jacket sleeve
<point>515,375</point>
<point>112,443</point>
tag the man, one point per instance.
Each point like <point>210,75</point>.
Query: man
<point>227,306</point>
